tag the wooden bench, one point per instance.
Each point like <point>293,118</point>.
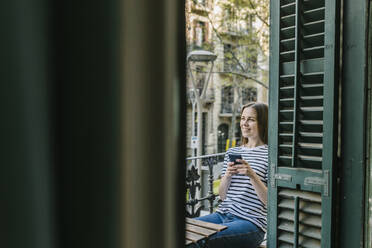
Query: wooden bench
<point>197,230</point>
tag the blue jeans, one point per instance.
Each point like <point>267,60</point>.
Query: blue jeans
<point>240,233</point>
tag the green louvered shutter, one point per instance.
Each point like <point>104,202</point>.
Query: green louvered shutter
<point>303,119</point>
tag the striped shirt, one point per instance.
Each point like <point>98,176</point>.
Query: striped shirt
<point>241,198</point>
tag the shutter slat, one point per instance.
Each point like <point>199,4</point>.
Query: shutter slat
<point>316,36</point>
<point>284,245</point>
<point>285,157</point>
<point>288,29</point>
<point>287,76</point>
<point>316,39</point>
<point>319,22</point>
<point>305,206</point>
<point>317,13</point>
<point>312,74</point>
<point>287,56</point>
<point>287,88</point>
<point>287,40</point>
<point>310,158</point>
<point>308,134</point>
<point>286,237</point>
<point>313,49</point>
<point>304,230</point>
<point>311,145</point>
<point>311,4</point>
<point>287,53</point>
<point>286,99</point>
<point>285,146</point>
<point>288,45</point>
<point>289,5</point>
<point>313,52</point>
<point>310,220</point>
<point>305,243</point>
<point>311,109</point>
<point>311,122</point>
<point>286,111</point>
<point>288,32</point>
<point>284,18</point>
<point>286,134</point>
<point>310,243</point>
<point>306,98</point>
<point>310,196</point>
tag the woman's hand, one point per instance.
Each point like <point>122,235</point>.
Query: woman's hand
<point>231,169</point>
<point>244,168</point>
<point>226,179</point>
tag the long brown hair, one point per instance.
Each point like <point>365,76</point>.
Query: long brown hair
<point>262,120</point>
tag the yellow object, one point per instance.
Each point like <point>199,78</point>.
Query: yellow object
<point>233,143</point>
<point>227,144</point>
<point>216,185</point>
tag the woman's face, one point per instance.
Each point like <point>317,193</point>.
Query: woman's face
<point>248,123</point>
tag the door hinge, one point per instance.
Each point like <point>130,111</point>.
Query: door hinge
<point>318,181</point>
<point>277,176</point>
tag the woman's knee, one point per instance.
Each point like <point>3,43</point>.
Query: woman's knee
<point>247,240</point>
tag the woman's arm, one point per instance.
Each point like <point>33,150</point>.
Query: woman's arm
<point>226,180</point>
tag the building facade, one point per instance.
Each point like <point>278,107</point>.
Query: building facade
<point>238,77</point>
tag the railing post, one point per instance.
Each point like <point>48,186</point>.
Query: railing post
<point>211,162</point>
<point>192,184</point>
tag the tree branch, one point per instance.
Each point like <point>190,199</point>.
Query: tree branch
<point>243,75</point>
<point>246,76</point>
<point>232,53</point>
<point>221,40</point>
<point>258,16</point>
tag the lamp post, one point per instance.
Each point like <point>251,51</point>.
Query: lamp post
<point>192,95</point>
<point>206,57</point>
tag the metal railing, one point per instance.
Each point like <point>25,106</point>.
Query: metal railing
<point>193,183</point>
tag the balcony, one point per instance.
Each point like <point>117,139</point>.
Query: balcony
<point>227,110</point>
<point>201,7</point>
<point>209,96</point>
<point>207,183</point>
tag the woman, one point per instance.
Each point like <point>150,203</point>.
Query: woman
<point>243,186</point>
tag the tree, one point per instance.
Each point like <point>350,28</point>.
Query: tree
<point>242,28</point>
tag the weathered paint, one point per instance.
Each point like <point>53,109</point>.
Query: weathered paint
<point>303,118</point>
<point>353,123</point>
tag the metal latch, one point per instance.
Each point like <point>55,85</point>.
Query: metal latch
<point>277,176</point>
<point>284,177</point>
<point>318,181</point>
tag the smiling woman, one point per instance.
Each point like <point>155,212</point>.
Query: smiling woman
<point>254,116</point>
<point>243,187</point>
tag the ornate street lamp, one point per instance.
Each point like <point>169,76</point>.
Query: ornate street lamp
<point>192,95</point>
<point>205,57</point>
<point>201,56</point>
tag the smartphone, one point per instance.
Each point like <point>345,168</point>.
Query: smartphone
<point>234,157</point>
